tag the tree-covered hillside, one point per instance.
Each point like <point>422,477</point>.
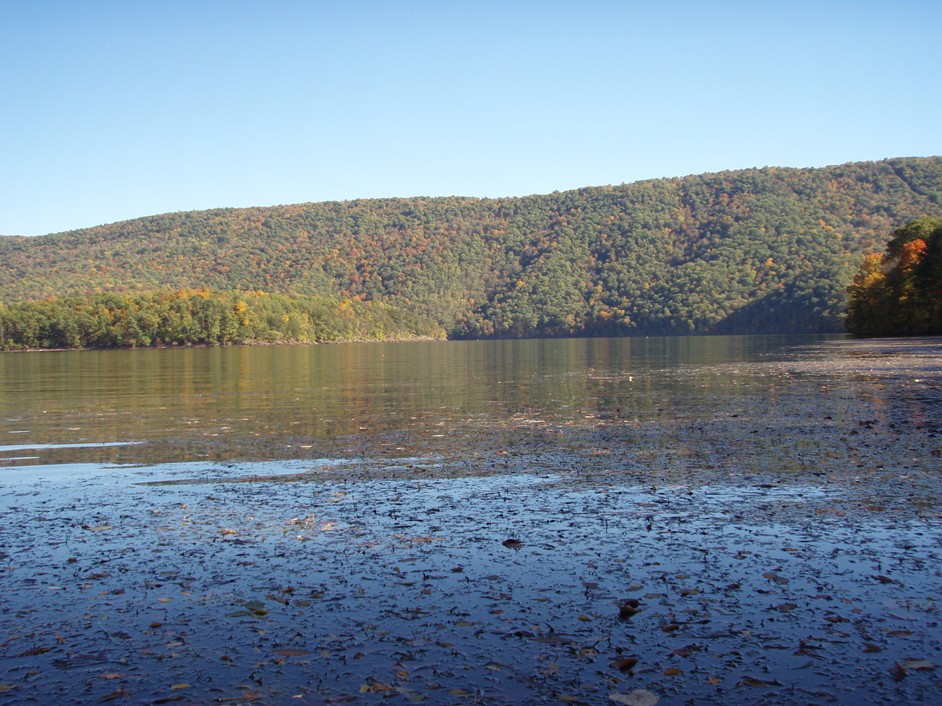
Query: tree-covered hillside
<point>900,292</point>
<point>757,250</point>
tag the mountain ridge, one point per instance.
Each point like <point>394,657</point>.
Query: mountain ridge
<point>747,250</point>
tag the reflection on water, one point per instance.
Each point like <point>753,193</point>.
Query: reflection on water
<point>255,403</point>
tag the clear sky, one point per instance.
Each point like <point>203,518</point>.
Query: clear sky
<point>114,110</point>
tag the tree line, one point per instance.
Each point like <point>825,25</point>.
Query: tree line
<point>201,317</point>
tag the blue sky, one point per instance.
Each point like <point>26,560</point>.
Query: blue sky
<point>114,110</point>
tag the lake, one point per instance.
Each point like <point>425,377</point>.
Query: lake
<point>718,519</point>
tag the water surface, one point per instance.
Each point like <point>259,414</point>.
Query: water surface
<point>467,522</point>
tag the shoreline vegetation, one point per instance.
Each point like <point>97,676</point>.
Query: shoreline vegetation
<point>769,250</point>
<point>899,293</point>
<point>201,317</point>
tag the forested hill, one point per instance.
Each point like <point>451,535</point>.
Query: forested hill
<point>759,250</point>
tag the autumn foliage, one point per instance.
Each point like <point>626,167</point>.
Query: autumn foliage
<point>900,291</point>
<point>200,317</point>
<point>767,250</point>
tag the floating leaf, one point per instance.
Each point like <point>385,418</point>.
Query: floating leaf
<point>410,695</point>
<point>758,683</point>
<point>918,665</point>
<point>116,694</point>
<point>772,576</point>
<point>624,664</point>
<point>638,697</point>
<point>512,543</point>
<point>376,687</point>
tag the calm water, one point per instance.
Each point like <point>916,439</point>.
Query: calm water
<point>253,403</point>
<point>464,523</point>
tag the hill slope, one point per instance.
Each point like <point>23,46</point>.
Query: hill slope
<point>756,250</point>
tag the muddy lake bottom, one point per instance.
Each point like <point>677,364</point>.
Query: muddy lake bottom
<point>764,549</point>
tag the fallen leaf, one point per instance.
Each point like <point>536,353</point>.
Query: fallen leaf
<point>110,675</point>
<point>758,683</point>
<point>116,694</point>
<point>772,576</point>
<point>410,695</point>
<point>376,687</point>
<point>179,686</point>
<point>257,607</point>
<point>638,697</point>
<point>919,665</point>
<point>624,664</point>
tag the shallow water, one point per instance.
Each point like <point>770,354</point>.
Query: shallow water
<point>771,504</point>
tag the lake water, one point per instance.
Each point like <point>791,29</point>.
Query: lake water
<point>279,402</point>
<point>464,522</point>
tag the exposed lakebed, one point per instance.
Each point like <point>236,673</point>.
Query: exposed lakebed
<point>757,530</point>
